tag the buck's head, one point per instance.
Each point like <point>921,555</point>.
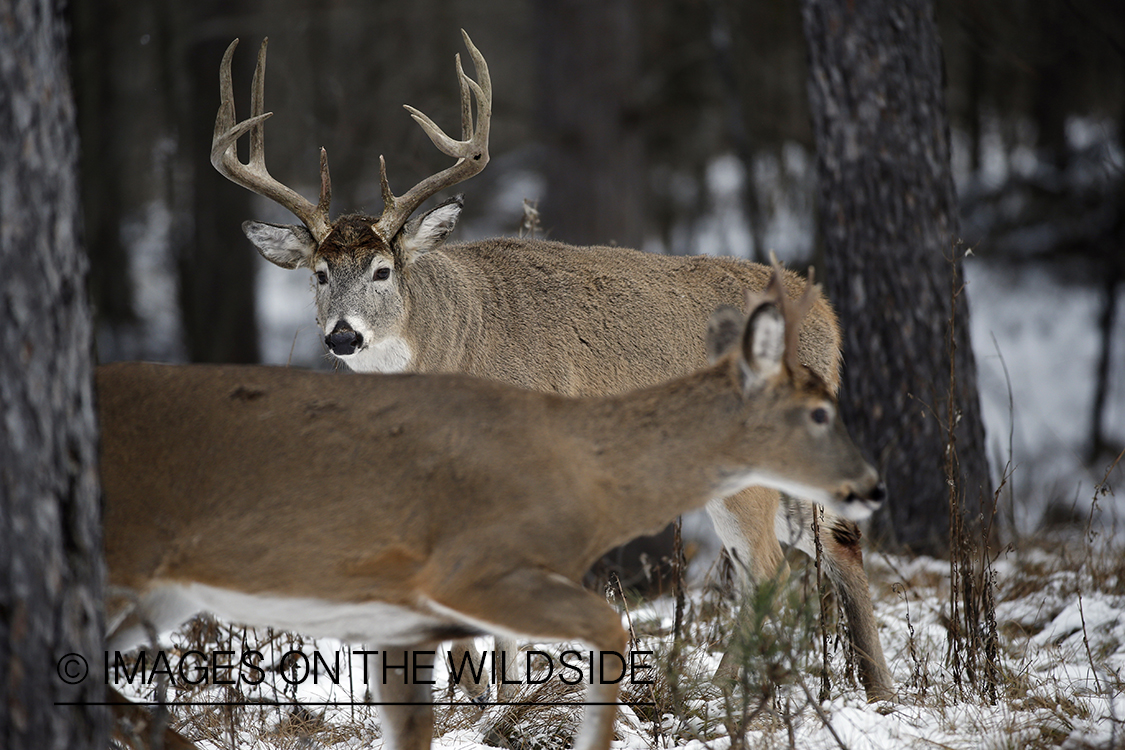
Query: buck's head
<point>359,263</point>
<point>789,421</point>
<point>358,277</point>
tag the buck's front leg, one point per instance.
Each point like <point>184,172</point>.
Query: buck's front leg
<point>507,654</point>
<point>750,525</point>
<point>745,525</point>
<point>546,606</point>
<point>843,556</point>
<point>398,677</point>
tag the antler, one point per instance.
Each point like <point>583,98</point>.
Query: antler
<point>253,175</point>
<point>792,311</point>
<point>471,152</point>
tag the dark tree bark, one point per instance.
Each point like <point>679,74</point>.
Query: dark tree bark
<point>888,215</point>
<point>216,270</point>
<point>1113,274</point>
<point>50,520</point>
<point>147,76</point>
<point>102,163</point>
<point>589,63</point>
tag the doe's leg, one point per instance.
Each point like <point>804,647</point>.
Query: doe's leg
<point>406,709</point>
<point>505,652</point>
<point>546,606</point>
<point>463,653</point>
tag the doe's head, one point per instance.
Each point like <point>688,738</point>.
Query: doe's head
<point>790,436</point>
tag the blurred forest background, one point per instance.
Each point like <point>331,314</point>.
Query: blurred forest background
<point>676,126</point>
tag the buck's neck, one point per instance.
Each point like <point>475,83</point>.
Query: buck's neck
<point>443,317</point>
<point>662,447</point>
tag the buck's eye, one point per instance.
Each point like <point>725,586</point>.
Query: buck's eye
<point>321,277</point>
<point>819,415</point>
<point>381,274</point>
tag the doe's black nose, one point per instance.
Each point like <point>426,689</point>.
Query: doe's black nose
<point>872,497</point>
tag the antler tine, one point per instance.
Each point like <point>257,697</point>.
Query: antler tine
<point>225,117</point>
<point>253,175</point>
<point>385,185</point>
<point>325,189</point>
<point>466,102</point>
<point>471,151</point>
<point>773,292</point>
<point>483,91</point>
<point>227,132</point>
<point>444,143</point>
<point>257,107</point>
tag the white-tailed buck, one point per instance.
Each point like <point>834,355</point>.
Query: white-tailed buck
<point>390,297</point>
<point>402,510</point>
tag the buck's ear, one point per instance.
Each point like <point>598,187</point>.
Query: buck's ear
<point>763,345</point>
<point>723,331</point>
<point>284,245</point>
<point>423,234</point>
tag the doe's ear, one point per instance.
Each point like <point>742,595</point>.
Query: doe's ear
<point>428,231</point>
<point>723,331</point>
<point>285,245</point>
<point>763,345</point>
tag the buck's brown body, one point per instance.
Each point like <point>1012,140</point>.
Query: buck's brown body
<point>581,320</point>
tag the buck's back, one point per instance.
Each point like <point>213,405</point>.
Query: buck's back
<point>591,320</point>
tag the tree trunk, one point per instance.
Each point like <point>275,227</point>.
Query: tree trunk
<point>217,269</point>
<point>888,216</point>
<point>103,162</point>
<point>50,520</point>
<point>589,63</point>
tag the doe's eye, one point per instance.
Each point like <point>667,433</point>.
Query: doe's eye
<point>381,274</point>
<point>321,277</point>
<point>819,415</point>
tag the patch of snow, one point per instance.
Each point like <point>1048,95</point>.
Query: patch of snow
<point>157,333</point>
<point>1055,686</point>
<point>1039,334</point>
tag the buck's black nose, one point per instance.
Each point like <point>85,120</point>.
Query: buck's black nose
<point>343,340</point>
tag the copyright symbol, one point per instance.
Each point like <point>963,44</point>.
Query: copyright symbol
<point>73,669</point>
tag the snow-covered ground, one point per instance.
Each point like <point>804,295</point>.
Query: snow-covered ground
<point>1060,621</point>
